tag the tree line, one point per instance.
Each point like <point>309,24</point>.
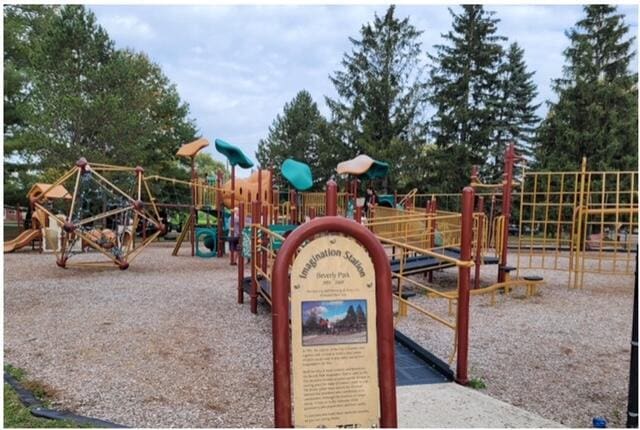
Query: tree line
<point>482,96</point>
<point>69,93</point>
<point>430,114</point>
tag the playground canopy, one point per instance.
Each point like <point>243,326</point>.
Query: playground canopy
<point>234,154</point>
<point>364,167</point>
<point>57,192</point>
<point>192,148</point>
<point>297,173</point>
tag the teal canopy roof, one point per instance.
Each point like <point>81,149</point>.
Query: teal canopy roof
<point>378,170</point>
<point>234,154</point>
<point>297,173</point>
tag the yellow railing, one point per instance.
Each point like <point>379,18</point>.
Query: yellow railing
<point>578,222</point>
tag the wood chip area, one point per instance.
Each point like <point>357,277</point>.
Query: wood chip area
<point>164,343</point>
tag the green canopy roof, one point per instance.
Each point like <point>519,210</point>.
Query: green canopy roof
<point>378,170</point>
<point>297,173</point>
<point>234,154</point>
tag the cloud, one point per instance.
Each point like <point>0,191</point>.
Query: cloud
<point>127,27</point>
<point>237,66</point>
<point>317,311</point>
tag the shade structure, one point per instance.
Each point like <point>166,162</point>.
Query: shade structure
<point>364,167</point>
<point>297,173</point>
<point>234,154</point>
<point>192,148</point>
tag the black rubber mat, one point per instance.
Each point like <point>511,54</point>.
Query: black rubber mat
<point>412,370</point>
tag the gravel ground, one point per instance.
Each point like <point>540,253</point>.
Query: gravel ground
<point>563,354</point>
<point>164,344</point>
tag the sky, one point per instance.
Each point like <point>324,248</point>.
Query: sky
<point>236,66</point>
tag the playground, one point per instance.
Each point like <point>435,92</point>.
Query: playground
<point>165,343</point>
<point>168,340</point>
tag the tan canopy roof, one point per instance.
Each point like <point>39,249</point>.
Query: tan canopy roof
<point>57,192</point>
<point>192,148</point>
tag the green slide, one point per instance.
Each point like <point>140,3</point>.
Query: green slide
<point>234,154</point>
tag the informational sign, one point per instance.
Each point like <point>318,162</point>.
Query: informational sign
<point>333,335</point>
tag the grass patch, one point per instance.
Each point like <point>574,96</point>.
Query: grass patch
<point>477,384</point>
<point>16,415</point>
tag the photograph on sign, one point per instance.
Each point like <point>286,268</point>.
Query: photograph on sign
<point>334,322</point>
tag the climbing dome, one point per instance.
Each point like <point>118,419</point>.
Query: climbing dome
<point>111,215</point>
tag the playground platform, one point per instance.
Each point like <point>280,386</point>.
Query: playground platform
<point>449,405</point>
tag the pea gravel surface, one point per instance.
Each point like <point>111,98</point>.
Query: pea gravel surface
<point>164,343</point>
<point>563,354</point>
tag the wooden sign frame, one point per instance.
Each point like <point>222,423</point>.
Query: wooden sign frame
<point>384,309</point>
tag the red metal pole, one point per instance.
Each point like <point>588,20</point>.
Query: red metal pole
<point>331,200</point>
<point>255,220</point>
<point>312,213</point>
<point>359,214</point>
<point>509,160</point>
<point>480,214</point>
<point>265,238</point>
<point>464,273</point>
<point>384,320</point>
<point>490,220</point>
<point>233,205</point>
<point>240,254</point>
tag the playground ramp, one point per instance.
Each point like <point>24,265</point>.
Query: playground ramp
<point>24,239</point>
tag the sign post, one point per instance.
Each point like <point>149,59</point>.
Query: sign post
<point>342,337</point>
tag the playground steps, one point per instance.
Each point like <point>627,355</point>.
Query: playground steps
<point>450,405</point>
<point>424,263</point>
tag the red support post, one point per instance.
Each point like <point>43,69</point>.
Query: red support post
<point>464,274</point>
<point>359,214</point>
<point>240,254</point>
<point>331,200</point>
<point>265,238</point>
<point>255,220</point>
<point>312,213</point>
<point>509,160</point>
<point>480,214</point>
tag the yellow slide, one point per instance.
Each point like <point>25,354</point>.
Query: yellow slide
<point>25,238</point>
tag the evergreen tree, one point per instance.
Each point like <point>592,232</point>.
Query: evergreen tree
<point>596,115</point>
<point>517,119</point>
<point>79,96</point>
<point>466,95</point>
<point>381,96</point>
<point>301,133</point>
<point>361,318</point>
